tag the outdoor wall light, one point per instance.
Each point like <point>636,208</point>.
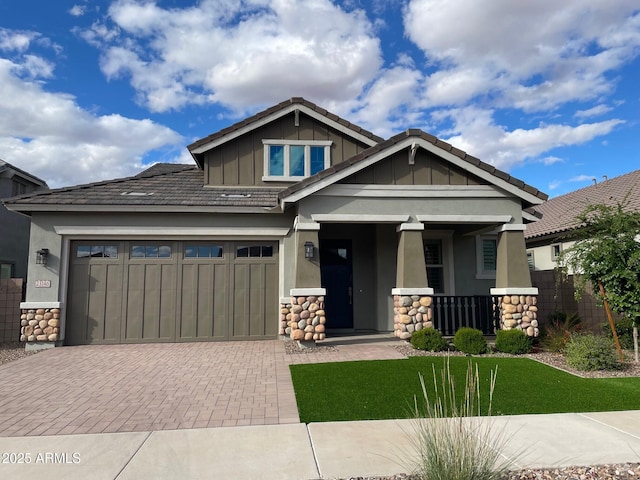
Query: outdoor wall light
<point>41,256</point>
<point>309,250</point>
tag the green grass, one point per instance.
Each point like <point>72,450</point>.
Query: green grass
<point>385,389</point>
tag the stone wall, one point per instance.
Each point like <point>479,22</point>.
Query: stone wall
<point>10,298</point>
<point>411,313</point>
<point>520,312</point>
<point>40,325</point>
<point>303,318</point>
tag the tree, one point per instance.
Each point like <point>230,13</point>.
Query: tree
<point>607,254</point>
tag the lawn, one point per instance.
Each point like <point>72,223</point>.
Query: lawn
<point>384,389</point>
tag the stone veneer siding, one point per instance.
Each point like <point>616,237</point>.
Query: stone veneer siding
<point>40,325</point>
<point>520,312</point>
<point>411,313</point>
<point>303,318</point>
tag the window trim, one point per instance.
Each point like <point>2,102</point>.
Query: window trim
<point>481,273</point>
<point>531,260</point>
<point>446,236</point>
<point>554,257</point>
<point>267,177</point>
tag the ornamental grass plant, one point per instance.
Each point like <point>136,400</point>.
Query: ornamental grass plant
<point>451,440</point>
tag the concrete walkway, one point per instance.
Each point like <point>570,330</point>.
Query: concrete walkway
<point>304,452</point>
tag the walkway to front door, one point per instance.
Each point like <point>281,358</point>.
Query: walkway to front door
<point>162,386</point>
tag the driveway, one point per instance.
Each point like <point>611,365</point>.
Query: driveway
<point>135,388</point>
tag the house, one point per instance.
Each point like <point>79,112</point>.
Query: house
<point>553,233</point>
<point>14,241</point>
<point>291,222</point>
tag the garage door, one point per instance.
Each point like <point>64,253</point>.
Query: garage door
<point>137,292</point>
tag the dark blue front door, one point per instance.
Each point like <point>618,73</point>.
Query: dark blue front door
<point>337,277</point>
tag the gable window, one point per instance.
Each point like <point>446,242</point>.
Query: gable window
<point>295,159</point>
<point>487,256</point>
<point>18,187</point>
<point>556,250</point>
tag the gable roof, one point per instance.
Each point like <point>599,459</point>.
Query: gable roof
<point>163,187</point>
<point>530,195</point>
<point>198,148</point>
<point>4,166</point>
<point>558,214</point>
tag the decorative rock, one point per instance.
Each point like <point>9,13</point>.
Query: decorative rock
<point>405,301</point>
<point>41,338</point>
<point>43,323</point>
<point>28,330</point>
<point>426,301</point>
<point>308,337</point>
<point>37,331</point>
<point>297,334</point>
<point>314,307</point>
<point>323,320</point>
<point>534,323</point>
<point>23,338</point>
<point>405,336</point>
<point>509,308</point>
<point>411,328</point>
<point>305,305</point>
<point>31,338</point>
<point>506,300</point>
<point>405,319</point>
<point>302,324</point>
<point>23,323</point>
<point>40,311</point>
<point>320,313</point>
<point>33,323</point>
<point>412,312</point>
<point>309,329</point>
<point>320,328</point>
<point>531,331</point>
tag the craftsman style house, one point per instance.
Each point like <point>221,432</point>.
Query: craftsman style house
<point>291,222</point>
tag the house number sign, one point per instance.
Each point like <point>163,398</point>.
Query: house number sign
<point>43,283</point>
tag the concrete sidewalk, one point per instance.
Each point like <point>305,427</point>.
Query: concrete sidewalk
<point>314,451</point>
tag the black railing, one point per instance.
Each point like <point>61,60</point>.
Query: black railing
<point>452,312</point>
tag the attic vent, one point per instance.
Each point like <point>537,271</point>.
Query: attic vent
<point>137,194</point>
<point>236,195</point>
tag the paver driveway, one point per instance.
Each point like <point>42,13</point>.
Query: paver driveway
<point>132,388</point>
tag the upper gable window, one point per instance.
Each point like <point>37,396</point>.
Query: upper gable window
<point>295,159</point>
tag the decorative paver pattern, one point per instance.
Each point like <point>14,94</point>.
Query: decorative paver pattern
<point>134,388</point>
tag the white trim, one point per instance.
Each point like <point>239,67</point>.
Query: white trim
<point>404,227</point>
<point>63,282</point>
<point>354,218</point>
<point>304,292</point>
<point>32,305</point>
<point>281,270</point>
<point>512,227</point>
<point>412,291</point>
<point>103,231</point>
<point>279,114</point>
<point>285,299</point>
<point>412,191</point>
<point>307,227</point>
<point>401,145</point>
<point>464,218</point>
<point>514,291</point>
<point>314,143</point>
<point>286,158</point>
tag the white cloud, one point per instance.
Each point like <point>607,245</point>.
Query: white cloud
<point>240,55</point>
<point>51,136</point>
<point>582,178</point>
<point>77,10</point>
<point>554,184</point>
<point>475,132</point>
<point>593,112</point>
<point>533,55</point>
<point>15,40</point>
<point>550,160</point>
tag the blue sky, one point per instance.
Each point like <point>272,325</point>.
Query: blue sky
<point>546,90</point>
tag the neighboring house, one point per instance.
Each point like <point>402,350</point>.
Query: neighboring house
<point>553,233</point>
<point>14,240</point>
<point>291,222</point>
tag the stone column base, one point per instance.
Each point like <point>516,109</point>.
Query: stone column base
<point>412,310</point>
<point>302,317</point>
<point>40,323</point>
<point>518,309</point>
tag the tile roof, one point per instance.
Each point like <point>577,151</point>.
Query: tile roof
<point>7,166</point>
<point>163,185</point>
<point>558,214</point>
<point>398,138</point>
<point>277,108</point>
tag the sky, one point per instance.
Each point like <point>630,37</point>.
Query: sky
<point>546,90</point>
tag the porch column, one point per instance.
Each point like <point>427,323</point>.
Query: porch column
<point>302,316</point>
<point>516,298</point>
<point>412,297</point>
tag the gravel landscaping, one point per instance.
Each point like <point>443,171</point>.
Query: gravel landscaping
<point>10,351</point>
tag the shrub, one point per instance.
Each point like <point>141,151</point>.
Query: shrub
<point>591,352</point>
<point>451,440</point>
<point>470,340</point>
<point>513,341</point>
<point>428,339</point>
<point>558,331</point>
<point>624,329</point>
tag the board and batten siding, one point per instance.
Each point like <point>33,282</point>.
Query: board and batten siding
<point>240,162</point>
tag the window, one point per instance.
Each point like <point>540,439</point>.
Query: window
<point>6,270</point>
<point>433,258</point>
<point>254,251</point>
<point>203,251</point>
<point>97,251</point>
<point>295,159</point>
<point>150,251</point>
<point>555,251</point>
<point>530,260</point>
<point>487,256</point>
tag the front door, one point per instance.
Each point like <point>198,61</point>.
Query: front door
<point>337,277</point>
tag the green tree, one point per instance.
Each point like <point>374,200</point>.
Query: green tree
<point>607,254</point>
